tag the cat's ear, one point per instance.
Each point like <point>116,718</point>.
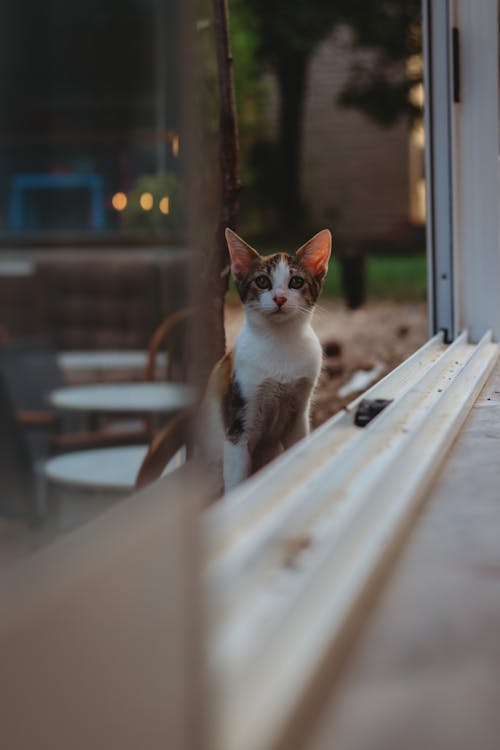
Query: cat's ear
<point>242,255</point>
<point>315,254</point>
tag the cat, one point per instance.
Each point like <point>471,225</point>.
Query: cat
<point>258,396</point>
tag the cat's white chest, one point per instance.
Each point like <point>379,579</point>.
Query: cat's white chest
<point>285,357</point>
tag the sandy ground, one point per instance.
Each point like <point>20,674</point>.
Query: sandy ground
<point>375,338</point>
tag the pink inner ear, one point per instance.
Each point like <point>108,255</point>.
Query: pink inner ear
<point>242,255</point>
<point>315,254</point>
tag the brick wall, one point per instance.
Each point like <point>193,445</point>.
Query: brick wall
<point>94,299</point>
<point>354,173</point>
<point>350,164</point>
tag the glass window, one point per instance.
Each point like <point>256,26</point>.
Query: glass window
<point>93,257</point>
<point>89,120</point>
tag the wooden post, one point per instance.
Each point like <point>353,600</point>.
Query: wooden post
<point>217,269</point>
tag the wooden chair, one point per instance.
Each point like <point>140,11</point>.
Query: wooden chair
<point>164,445</point>
<point>18,495</point>
<point>121,469</point>
<point>30,371</point>
<point>33,372</point>
<point>171,336</point>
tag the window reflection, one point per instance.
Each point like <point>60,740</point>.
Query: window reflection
<point>89,118</point>
<point>93,257</point>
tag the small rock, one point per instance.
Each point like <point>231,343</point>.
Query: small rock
<point>332,349</point>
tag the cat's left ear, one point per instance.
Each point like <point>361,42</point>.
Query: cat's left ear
<point>242,255</point>
<point>315,254</point>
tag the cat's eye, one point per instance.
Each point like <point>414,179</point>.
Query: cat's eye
<point>263,282</point>
<point>296,282</point>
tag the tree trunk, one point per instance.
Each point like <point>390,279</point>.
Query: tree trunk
<point>291,72</point>
<point>217,264</point>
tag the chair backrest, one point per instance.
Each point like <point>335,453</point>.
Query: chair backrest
<point>172,337</point>
<point>30,370</point>
<point>89,303</point>
<point>17,489</point>
<point>163,447</point>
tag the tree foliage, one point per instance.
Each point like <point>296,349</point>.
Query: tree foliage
<point>381,85</point>
<point>276,30</point>
<point>283,35</point>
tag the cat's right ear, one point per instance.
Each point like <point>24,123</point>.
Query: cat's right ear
<point>315,254</point>
<point>242,255</point>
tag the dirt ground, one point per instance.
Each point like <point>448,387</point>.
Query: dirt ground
<point>373,339</point>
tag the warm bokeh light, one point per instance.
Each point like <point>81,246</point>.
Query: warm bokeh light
<point>146,201</point>
<point>165,205</point>
<point>119,201</point>
<point>416,95</point>
<point>175,144</point>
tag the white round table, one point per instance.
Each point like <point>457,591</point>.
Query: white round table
<point>98,362</point>
<point>101,360</point>
<point>124,398</point>
<point>103,469</point>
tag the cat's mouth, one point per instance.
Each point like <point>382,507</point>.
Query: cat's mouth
<point>280,313</point>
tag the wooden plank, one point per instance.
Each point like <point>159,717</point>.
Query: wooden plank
<point>295,614</point>
<point>426,670</point>
<point>100,633</point>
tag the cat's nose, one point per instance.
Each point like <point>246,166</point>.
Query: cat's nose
<point>280,299</point>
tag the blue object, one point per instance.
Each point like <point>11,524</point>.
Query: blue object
<point>22,182</point>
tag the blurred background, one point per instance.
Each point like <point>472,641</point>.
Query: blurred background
<point>90,163</point>
<point>329,103</point>
<point>93,252</point>
<point>89,93</point>
<point>131,134</point>
<point>112,196</point>
<point>329,100</point>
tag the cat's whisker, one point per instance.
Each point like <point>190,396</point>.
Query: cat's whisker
<point>305,309</point>
<point>321,309</point>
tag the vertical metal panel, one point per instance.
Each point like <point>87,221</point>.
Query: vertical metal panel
<point>438,126</point>
<point>476,168</point>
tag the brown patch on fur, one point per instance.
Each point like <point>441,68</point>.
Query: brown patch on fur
<point>233,411</point>
<point>225,389</point>
<point>245,286</point>
<point>278,406</point>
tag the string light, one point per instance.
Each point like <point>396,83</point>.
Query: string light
<point>175,145</point>
<point>119,201</point>
<point>146,201</point>
<point>165,205</point>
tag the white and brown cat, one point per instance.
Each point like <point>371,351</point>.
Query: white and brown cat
<point>259,394</point>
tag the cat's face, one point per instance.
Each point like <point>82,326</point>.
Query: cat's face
<point>280,287</point>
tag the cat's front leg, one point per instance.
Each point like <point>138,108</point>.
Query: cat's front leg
<point>236,463</point>
<point>298,429</point>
